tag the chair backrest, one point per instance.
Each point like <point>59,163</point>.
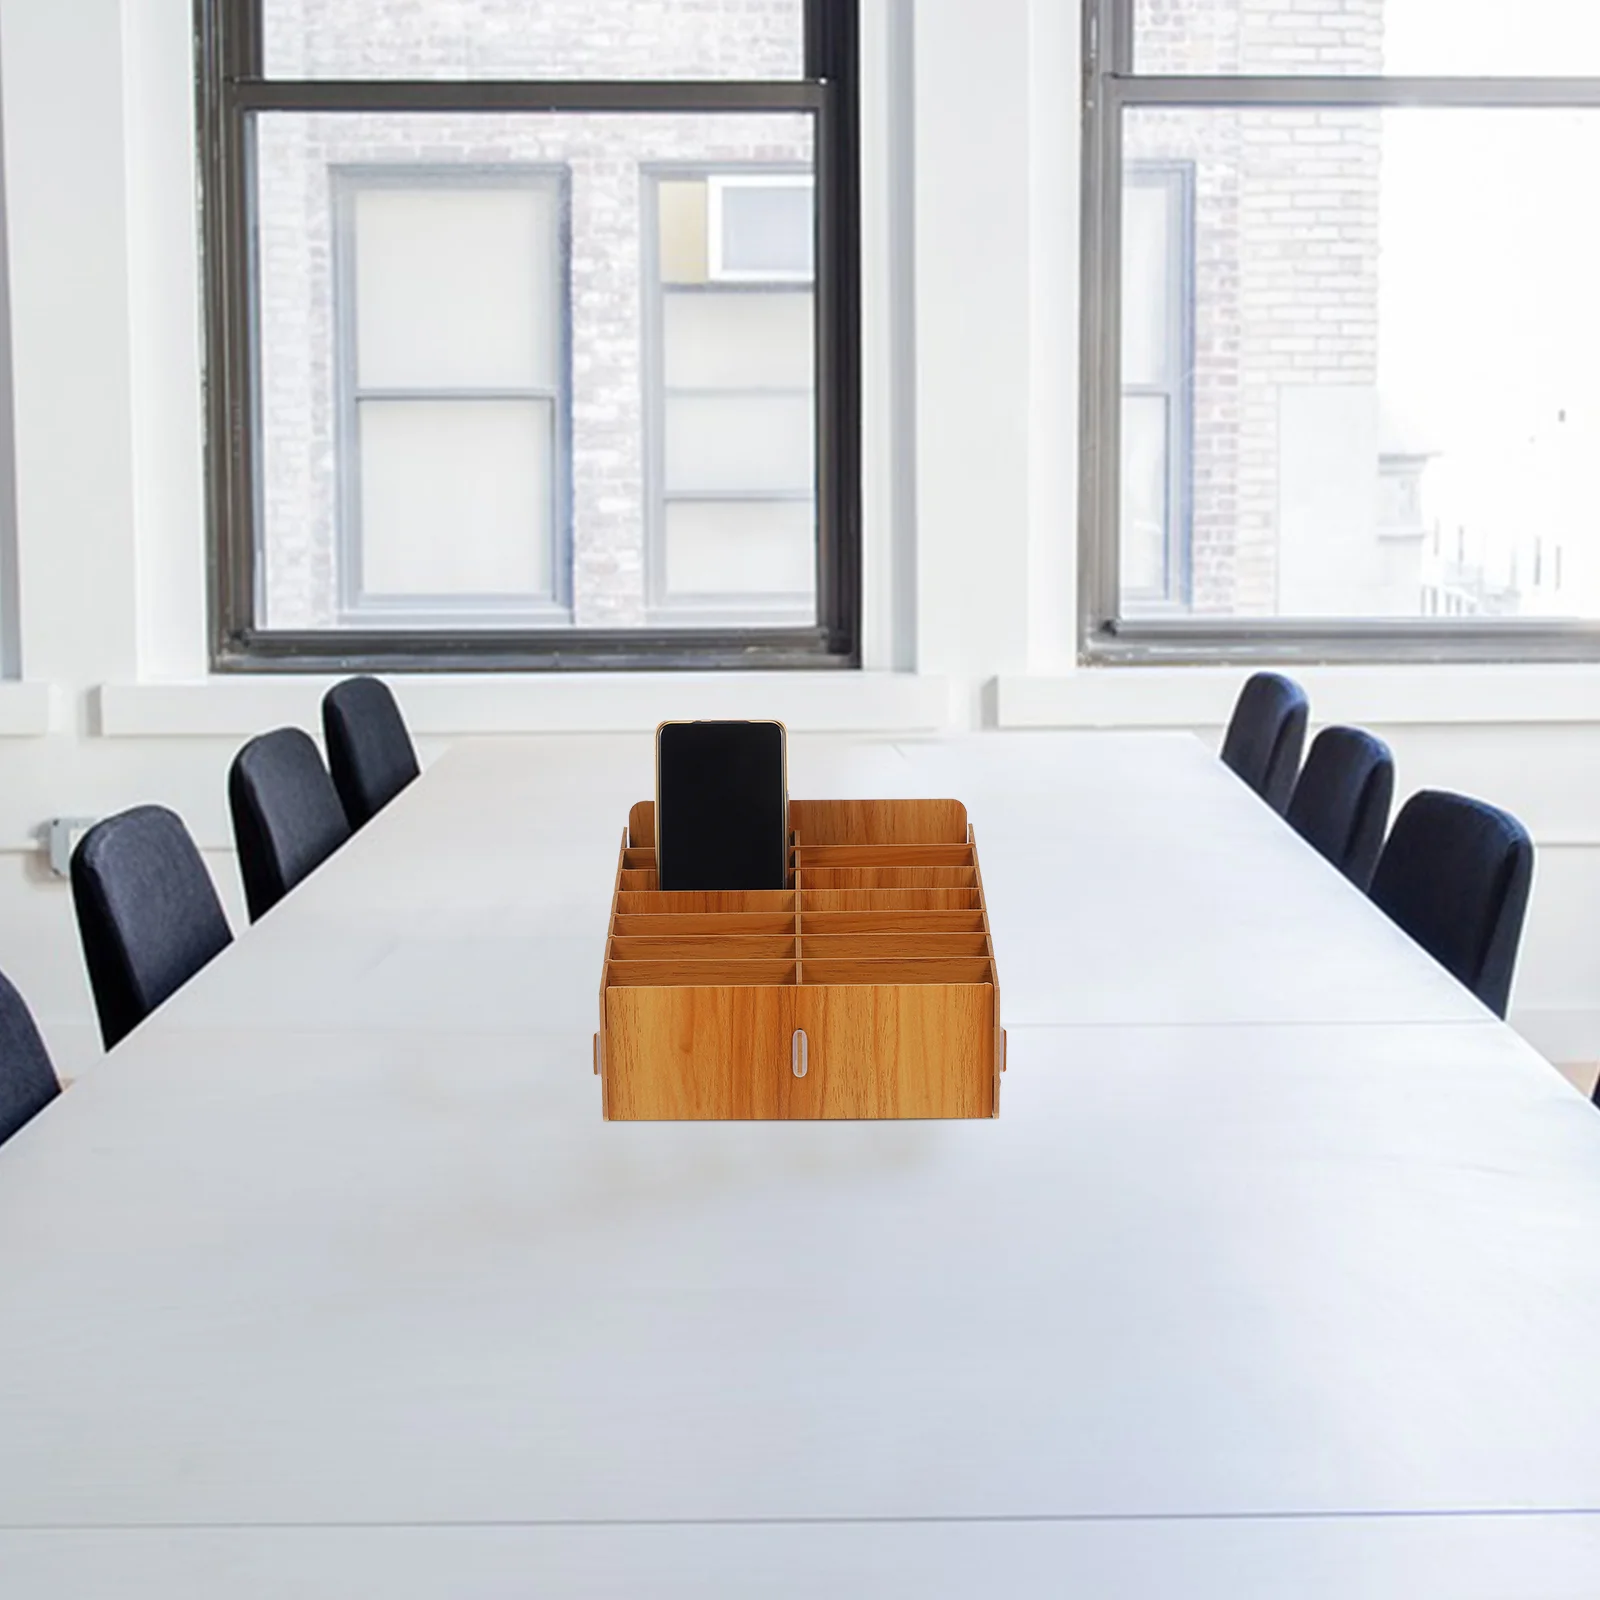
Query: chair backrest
<point>1266,735</point>
<point>369,751</point>
<point>148,914</point>
<point>287,819</point>
<point>1341,800</point>
<point>1455,875</point>
<point>28,1082</point>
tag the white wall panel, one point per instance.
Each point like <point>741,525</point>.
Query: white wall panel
<point>970,385</point>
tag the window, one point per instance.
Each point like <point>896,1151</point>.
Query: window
<point>1157,289</point>
<point>1339,344</point>
<point>733,453</point>
<point>449,310</point>
<point>532,333</point>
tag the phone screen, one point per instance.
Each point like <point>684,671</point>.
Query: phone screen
<point>722,807</point>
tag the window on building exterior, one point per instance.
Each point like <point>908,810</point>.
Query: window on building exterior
<point>1156,366</point>
<point>1340,341</point>
<point>532,332</point>
<point>733,512</point>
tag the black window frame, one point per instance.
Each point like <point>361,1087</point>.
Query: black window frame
<point>1112,634</point>
<point>232,90</point>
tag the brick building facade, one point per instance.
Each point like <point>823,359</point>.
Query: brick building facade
<point>1284,283</point>
<point>603,161</point>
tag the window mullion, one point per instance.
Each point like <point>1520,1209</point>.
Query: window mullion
<point>525,95</point>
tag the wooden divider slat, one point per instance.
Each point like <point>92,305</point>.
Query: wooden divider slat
<point>890,877</point>
<point>888,946</point>
<point>634,902</point>
<point>696,974</point>
<point>817,822</point>
<point>911,922</point>
<point>878,821</point>
<point>888,900</point>
<point>679,923</point>
<point>705,947</point>
<point>884,855</point>
<point>962,970</point>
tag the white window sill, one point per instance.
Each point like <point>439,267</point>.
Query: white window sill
<point>446,705</point>
<point>1184,697</point>
<point>27,710</point>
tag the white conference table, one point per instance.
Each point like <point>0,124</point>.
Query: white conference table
<point>1277,1271</point>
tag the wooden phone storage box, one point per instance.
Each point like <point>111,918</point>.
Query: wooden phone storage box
<point>867,988</point>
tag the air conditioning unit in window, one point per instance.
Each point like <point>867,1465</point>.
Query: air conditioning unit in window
<point>762,227</point>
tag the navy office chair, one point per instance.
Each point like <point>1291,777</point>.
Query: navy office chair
<point>28,1082</point>
<point>287,819</point>
<point>148,914</point>
<point>369,751</point>
<point>1341,800</point>
<point>1266,735</point>
<point>1455,875</point>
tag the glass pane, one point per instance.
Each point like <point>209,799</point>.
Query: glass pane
<point>1395,390</point>
<point>738,443</point>
<point>733,340</point>
<point>516,39</point>
<point>1470,38</point>
<point>761,228</point>
<point>455,499</point>
<point>463,271</point>
<point>1144,495</point>
<point>456,284</point>
<point>720,547</point>
<point>1151,259</point>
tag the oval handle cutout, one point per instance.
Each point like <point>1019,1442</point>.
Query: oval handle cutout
<point>799,1050</point>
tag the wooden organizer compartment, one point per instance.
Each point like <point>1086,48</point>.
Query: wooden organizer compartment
<point>866,988</point>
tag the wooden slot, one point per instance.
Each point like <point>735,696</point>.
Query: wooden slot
<point>683,923</point>
<point>889,877</point>
<point>880,956</point>
<point>884,855</point>
<point>903,922</point>
<point>878,821</point>
<point>696,974</point>
<point>670,901</point>
<point>705,947</point>
<point>964,970</point>
<point>812,900</point>
<point>844,822</point>
<point>884,946</point>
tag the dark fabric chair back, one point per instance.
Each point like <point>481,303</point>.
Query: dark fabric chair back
<point>287,819</point>
<point>148,914</point>
<point>1341,801</point>
<point>1266,735</point>
<point>369,751</point>
<point>28,1082</point>
<point>1455,875</point>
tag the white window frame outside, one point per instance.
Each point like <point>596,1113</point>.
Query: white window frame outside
<point>550,607</point>
<point>693,609</point>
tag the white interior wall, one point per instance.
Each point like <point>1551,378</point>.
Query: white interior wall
<point>970,228</point>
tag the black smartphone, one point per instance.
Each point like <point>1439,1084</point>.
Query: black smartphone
<point>722,805</point>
